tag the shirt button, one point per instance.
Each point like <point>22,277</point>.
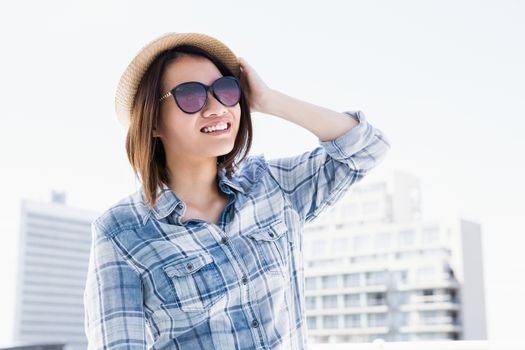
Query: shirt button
<point>271,234</point>
<point>255,323</point>
<point>189,266</point>
<point>224,240</point>
<point>244,280</point>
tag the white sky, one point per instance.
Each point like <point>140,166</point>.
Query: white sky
<point>443,79</point>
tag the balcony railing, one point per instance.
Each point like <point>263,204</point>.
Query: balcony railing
<point>437,298</point>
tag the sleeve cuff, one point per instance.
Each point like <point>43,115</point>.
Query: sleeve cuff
<point>351,142</point>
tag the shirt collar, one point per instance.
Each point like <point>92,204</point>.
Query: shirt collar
<point>168,201</point>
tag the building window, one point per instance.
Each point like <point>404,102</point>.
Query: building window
<point>406,238</point>
<point>452,295</point>
<point>352,321</point>
<point>453,317</point>
<point>311,303</point>
<point>376,277</point>
<point>399,318</point>
<point>330,322</point>
<point>431,317</point>
<point>351,280</point>
<point>430,235</point>
<point>377,320</point>
<point>376,299</point>
<point>361,242</point>
<point>311,283</point>
<point>352,300</point>
<point>341,339</point>
<point>425,273</point>
<point>330,301</point>
<point>400,277</point>
<point>312,322</point>
<point>329,281</point>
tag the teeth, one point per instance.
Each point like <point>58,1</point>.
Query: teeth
<point>220,126</point>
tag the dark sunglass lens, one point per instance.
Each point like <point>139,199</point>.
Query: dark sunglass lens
<point>190,97</point>
<point>227,91</point>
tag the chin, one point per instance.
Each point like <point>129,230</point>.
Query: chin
<point>223,152</point>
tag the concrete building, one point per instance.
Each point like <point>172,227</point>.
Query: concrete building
<point>54,252</point>
<point>34,346</point>
<point>375,269</point>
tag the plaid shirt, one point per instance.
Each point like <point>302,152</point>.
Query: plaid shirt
<point>156,283</point>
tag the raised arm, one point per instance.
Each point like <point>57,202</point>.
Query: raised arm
<point>349,147</point>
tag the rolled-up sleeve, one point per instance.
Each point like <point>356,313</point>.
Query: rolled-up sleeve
<point>113,304</point>
<point>318,178</point>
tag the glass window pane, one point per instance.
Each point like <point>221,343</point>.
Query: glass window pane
<point>312,322</point>
<point>310,283</point>
<point>352,300</point>
<point>361,242</point>
<point>330,322</point>
<point>329,281</point>
<point>311,303</point>
<point>353,321</point>
<point>351,280</point>
<point>406,238</point>
<point>330,301</point>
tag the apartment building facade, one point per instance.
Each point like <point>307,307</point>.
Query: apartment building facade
<point>53,256</point>
<point>375,269</point>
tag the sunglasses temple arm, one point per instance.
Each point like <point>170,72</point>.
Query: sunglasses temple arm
<point>165,96</point>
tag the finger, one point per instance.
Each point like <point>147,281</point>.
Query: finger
<point>243,63</point>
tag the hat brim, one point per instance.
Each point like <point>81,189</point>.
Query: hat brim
<point>130,79</point>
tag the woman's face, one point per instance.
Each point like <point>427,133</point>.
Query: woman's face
<point>180,132</point>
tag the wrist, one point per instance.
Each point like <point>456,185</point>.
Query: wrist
<point>267,101</point>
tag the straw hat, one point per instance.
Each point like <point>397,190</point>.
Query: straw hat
<point>130,79</point>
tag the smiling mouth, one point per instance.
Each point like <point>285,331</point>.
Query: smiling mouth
<point>218,132</point>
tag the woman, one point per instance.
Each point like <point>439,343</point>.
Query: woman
<point>207,254</point>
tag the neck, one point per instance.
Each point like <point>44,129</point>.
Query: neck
<point>195,183</point>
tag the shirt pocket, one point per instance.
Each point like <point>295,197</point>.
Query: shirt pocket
<point>272,246</point>
<point>196,282</point>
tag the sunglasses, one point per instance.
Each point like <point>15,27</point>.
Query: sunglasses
<point>191,96</point>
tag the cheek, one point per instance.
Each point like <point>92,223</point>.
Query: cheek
<point>171,120</point>
<point>237,113</point>
<point>181,133</point>
<point>175,130</point>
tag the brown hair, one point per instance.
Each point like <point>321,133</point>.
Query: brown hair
<point>145,152</point>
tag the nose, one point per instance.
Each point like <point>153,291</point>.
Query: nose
<point>213,106</point>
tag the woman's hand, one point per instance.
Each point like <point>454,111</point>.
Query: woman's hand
<point>254,87</point>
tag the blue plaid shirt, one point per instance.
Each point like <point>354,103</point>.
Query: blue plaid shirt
<point>156,283</point>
